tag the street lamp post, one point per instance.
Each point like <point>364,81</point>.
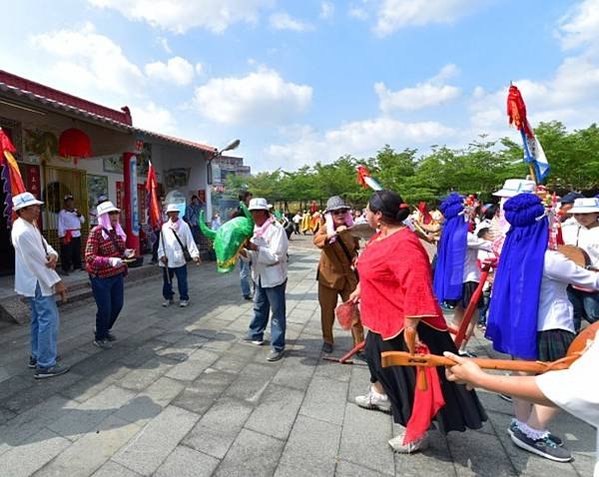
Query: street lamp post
<point>229,147</point>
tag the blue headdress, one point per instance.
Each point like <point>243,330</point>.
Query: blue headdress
<point>451,253</point>
<point>514,307</point>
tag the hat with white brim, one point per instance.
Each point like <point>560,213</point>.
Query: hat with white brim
<point>513,187</point>
<point>585,206</point>
<point>106,208</point>
<point>26,199</point>
<point>258,204</point>
<point>172,208</point>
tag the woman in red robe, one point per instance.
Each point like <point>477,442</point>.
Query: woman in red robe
<point>395,294</point>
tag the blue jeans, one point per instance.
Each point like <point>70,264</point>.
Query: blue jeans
<point>264,300</point>
<point>44,328</point>
<point>586,306</point>
<point>245,278</point>
<point>167,282</point>
<point>109,296</point>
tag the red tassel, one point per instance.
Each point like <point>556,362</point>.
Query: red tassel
<point>516,111</point>
<point>363,172</point>
<point>427,402</point>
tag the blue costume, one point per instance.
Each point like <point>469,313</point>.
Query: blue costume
<point>514,307</point>
<point>451,254</point>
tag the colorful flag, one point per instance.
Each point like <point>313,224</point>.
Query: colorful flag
<point>154,213</point>
<point>13,182</point>
<point>366,180</point>
<point>533,152</point>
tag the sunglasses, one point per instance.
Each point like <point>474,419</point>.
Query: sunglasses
<point>340,212</point>
<point>113,212</point>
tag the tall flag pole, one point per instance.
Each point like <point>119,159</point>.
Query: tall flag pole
<point>13,182</point>
<point>534,155</point>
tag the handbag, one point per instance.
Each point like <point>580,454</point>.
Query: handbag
<point>186,255</point>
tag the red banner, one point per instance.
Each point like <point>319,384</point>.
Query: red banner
<point>33,180</point>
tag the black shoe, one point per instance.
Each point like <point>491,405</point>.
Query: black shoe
<point>56,370</point>
<point>513,427</point>
<point>247,297</point>
<point>109,336</point>
<point>327,347</point>
<point>103,344</point>
<point>275,355</point>
<point>544,447</point>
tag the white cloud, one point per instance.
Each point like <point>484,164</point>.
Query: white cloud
<point>359,138</point>
<point>394,15</point>
<point>181,15</point>
<point>570,96</point>
<point>429,93</point>
<point>199,68</point>
<point>176,70</point>
<point>261,97</point>
<point>580,26</point>
<point>88,62</point>
<point>164,44</point>
<point>283,21</point>
<point>358,13</point>
<point>327,9</point>
<point>154,118</point>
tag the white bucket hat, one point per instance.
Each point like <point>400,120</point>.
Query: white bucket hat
<point>513,187</point>
<point>258,204</point>
<point>20,201</point>
<point>106,207</point>
<point>172,208</point>
<point>585,206</point>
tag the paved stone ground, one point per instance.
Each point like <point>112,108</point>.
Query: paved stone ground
<point>180,395</point>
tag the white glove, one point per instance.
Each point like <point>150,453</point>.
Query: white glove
<point>115,261</point>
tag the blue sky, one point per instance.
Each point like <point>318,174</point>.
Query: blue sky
<point>300,82</point>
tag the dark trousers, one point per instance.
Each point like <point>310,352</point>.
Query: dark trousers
<point>109,296</point>
<point>70,254</point>
<point>167,284</point>
<point>156,241</point>
<point>585,306</point>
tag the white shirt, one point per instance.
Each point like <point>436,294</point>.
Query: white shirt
<point>30,260</point>
<point>169,246</point>
<point>269,262</point>
<point>555,309</point>
<point>586,239</point>
<point>68,220</point>
<point>297,218</point>
<point>575,389</point>
<point>475,244</point>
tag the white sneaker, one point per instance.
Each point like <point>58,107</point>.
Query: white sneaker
<point>183,303</point>
<point>398,446</point>
<point>166,303</point>
<point>374,400</point>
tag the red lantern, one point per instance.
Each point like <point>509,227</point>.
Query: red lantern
<point>74,143</point>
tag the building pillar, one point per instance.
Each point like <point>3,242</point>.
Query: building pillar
<point>130,201</point>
